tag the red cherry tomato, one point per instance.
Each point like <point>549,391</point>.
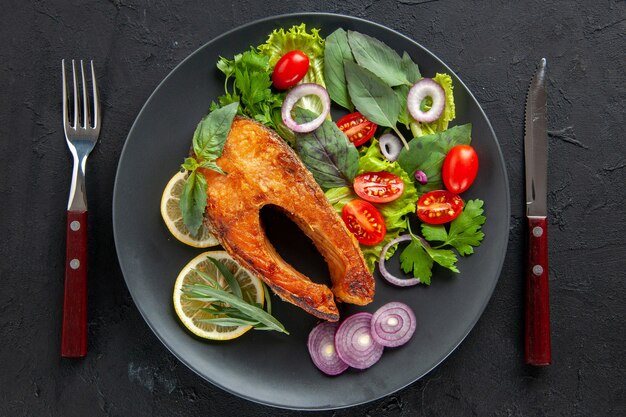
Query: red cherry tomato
<point>439,206</point>
<point>378,187</point>
<point>290,69</point>
<point>460,168</point>
<point>357,128</point>
<point>364,222</point>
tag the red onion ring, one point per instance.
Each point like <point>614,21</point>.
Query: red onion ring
<point>321,346</point>
<point>426,87</point>
<point>354,342</point>
<point>393,324</point>
<point>400,282</point>
<point>295,94</point>
<point>390,146</point>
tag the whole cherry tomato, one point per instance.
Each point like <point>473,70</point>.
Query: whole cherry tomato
<point>357,128</point>
<point>439,206</point>
<point>460,168</point>
<point>290,69</point>
<point>378,187</point>
<point>364,222</point>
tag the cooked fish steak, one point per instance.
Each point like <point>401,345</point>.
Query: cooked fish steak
<point>261,170</point>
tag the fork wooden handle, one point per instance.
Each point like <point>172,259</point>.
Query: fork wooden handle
<point>74,332</point>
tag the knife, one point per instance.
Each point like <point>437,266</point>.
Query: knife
<point>537,349</point>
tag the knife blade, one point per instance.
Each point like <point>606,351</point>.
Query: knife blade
<point>537,344</point>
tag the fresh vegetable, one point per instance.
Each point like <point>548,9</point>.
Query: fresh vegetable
<point>357,128</point>
<point>378,187</point>
<point>321,344</point>
<point>460,168</point>
<point>439,206</point>
<point>327,153</point>
<point>208,144</point>
<point>364,222</point>
<point>354,342</point>
<point>449,113</point>
<point>390,146</point>
<point>290,69</point>
<point>310,43</point>
<point>297,93</point>
<point>421,177</point>
<point>427,154</point>
<point>426,87</point>
<point>393,324</point>
<point>388,276</point>
<point>337,50</point>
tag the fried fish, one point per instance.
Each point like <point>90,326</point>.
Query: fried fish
<point>261,169</point>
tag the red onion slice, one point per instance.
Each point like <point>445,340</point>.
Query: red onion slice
<point>390,146</point>
<point>354,342</point>
<point>393,324</point>
<point>322,349</point>
<point>295,94</point>
<point>400,282</point>
<point>426,87</point>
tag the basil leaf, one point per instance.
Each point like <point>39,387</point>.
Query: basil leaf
<point>193,201</point>
<point>326,152</point>
<point>336,51</point>
<point>375,56</point>
<point>371,96</point>
<point>410,68</point>
<point>212,131</point>
<point>402,92</point>
<point>427,154</point>
<point>212,165</point>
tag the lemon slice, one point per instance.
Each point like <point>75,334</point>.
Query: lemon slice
<point>173,217</point>
<point>189,311</point>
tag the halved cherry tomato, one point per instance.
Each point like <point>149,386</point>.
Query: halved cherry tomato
<point>357,128</point>
<point>460,168</point>
<point>364,222</point>
<point>439,206</point>
<point>378,187</point>
<point>290,69</point>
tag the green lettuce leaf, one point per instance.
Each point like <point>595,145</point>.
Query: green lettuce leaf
<point>449,111</point>
<point>394,212</point>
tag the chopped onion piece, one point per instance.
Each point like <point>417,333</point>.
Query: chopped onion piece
<point>295,94</point>
<point>426,87</point>
<point>354,342</point>
<point>393,324</point>
<point>390,146</point>
<point>322,349</point>
<point>421,177</point>
<point>400,282</point>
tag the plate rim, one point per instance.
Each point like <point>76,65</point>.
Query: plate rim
<point>501,257</point>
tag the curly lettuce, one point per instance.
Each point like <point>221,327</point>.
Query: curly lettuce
<point>449,111</point>
<point>394,213</point>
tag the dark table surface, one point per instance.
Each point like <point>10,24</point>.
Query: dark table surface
<point>492,45</point>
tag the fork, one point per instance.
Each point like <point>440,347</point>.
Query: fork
<point>81,133</point>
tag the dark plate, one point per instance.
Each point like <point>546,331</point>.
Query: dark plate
<point>267,367</point>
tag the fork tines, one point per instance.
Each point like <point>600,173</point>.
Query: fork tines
<point>89,118</point>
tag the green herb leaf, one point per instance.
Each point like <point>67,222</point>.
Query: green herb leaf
<point>230,279</point>
<point>336,51</point>
<point>212,131</point>
<point>377,57</point>
<point>190,164</point>
<point>212,165</point>
<point>326,152</point>
<point>371,96</point>
<point>427,154</point>
<point>415,260</point>
<point>410,68</point>
<point>193,201</point>
<point>402,91</point>
<point>465,231</point>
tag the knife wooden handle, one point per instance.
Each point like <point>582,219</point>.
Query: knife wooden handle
<point>537,333</point>
<point>74,332</point>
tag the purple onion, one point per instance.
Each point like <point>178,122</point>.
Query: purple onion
<point>295,94</point>
<point>421,177</point>
<point>392,279</point>
<point>426,87</point>
<point>393,324</point>
<point>322,349</point>
<point>354,342</point>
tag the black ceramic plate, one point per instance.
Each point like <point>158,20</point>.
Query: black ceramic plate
<point>267,367</point>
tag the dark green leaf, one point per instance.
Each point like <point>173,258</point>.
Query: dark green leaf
<point>212,131</point>
<point>232,282</point>
<point>229,321</point>
<point>268,299</point>
<point>415,260</point>
<point>326,152</point>
<point>212,165</point>
<point>371,96</point>
<point>193,201</point>
<point>427,154</point>
<point>402,91</point>
<point>444,257</point>
<point>377,57</point>
<point>410,68</point>
<point>337,50</point>
<point>208,278</point>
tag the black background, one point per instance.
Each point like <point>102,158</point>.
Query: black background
<point>493,46</point>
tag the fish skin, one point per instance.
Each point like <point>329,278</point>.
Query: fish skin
<point>261,169</point>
